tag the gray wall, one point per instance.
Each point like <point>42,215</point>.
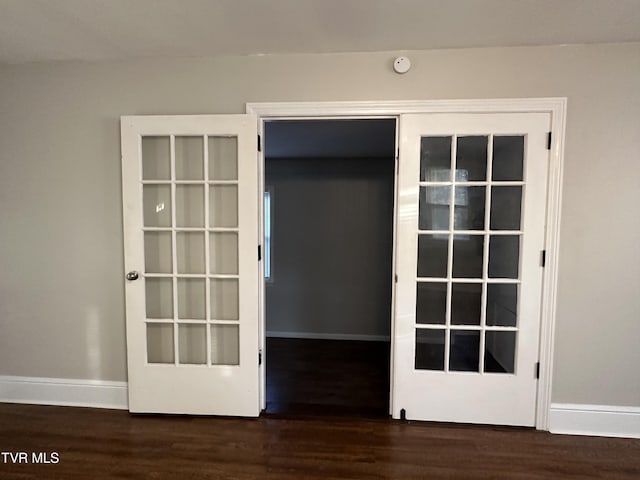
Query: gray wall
<point>332,246</point>
<point>61,287</point>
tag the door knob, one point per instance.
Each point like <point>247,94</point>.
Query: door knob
<point>132,275</point>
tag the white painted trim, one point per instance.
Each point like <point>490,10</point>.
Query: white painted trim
<point>557,106</point>
<point>64,391</point>
<point>262,294</point>
<point>596,420</point>
<point>329,336</point>
<point>394,267</point>
<point>558,109</point>
<point>393,107</point>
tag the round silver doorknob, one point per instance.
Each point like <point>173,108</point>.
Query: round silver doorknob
<point>133,275</point>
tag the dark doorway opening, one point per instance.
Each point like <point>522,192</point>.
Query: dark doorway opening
<point>329,196</point>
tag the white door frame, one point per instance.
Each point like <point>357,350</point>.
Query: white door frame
<point>556,107</point>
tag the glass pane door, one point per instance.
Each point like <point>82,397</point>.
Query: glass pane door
<point>469,231</point>
<point>471,228</point>
<point>190,193</point>
<point>191,236</point>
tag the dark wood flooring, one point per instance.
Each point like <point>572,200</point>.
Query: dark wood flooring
<point>104,444</point>
<point>327,377</point>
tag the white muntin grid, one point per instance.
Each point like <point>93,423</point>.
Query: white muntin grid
<point>486,233</point>
<point>207,229</point>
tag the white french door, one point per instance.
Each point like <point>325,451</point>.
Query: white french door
<point>471,214</point>
<point>190,202</point>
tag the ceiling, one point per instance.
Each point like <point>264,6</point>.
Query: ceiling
<point>362,138</point>
<point>50,30</point>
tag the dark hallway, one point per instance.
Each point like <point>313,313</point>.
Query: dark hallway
<point>329,232</point>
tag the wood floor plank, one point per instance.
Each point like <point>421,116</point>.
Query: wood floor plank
<point>104,444</point>
<point>331,377</point>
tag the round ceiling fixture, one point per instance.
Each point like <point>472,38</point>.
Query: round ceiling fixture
<point>401,65</point>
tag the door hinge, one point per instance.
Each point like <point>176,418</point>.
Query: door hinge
<point>549,141</point>
<point>259,144</point>
<point>396,278</point>
<point>537,370</point>
<point>259,252</point>
<point>543,258</point>
<point>260,357</point>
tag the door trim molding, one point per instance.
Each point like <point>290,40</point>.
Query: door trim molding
<point>399,107</point>
<point>555,106</point>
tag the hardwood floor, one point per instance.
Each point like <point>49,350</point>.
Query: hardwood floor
<point>327,377</point>
<point>100,444</point>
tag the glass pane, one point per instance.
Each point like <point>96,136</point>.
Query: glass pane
<point>189,206</point>
<point>190,252</point>
<point>469,208</point>
<point>224,299</point>
<point>156,159</point>
<point>192,343</point>
<point>500,352</point>
<point>431,302</point>
<point>466,303</point>
<point>157,205</point>
<point>502,304</point>
<point>429,349</point>
<point>467,256</point>
<point>223,158</point>
<point>505,208</point>
<point>432,255</point>
<point>471,159</point>
<point>157,252</point>
<point>191,298</point>
<point>159,297</point>
<point>223,206</point>
<point>224,253</point>
<point>160,343</point>
<point>434,208</point>
<point>435,159</point>
<point>225,345</point>
<point>504,256</point>
<point>189,158</point>
<point>508,154</point>
<point>267,235</point>
<point>464,355</point>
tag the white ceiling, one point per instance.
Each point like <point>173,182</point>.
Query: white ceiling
<point>45,30</point>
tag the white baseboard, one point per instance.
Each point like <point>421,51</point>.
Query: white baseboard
<point>329,336</point>
<point>597,420</point>
<point>63,391</point>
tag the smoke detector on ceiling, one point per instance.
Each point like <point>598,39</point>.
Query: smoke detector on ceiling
<point>401,65</point>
